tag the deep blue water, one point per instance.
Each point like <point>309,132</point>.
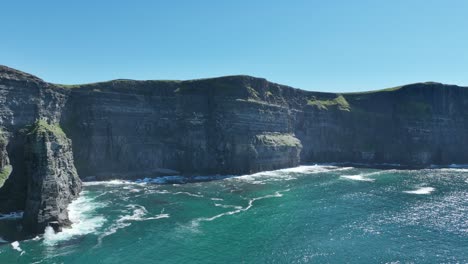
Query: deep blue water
<point>309,214</point>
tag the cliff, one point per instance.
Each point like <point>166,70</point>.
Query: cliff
<point>36,159</point>
<point>226,125</point>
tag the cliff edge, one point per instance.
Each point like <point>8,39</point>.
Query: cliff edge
<point>227,125</point>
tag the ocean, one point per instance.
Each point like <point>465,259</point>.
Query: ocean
<point>308,214</point>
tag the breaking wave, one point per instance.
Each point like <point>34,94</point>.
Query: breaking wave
<point>16,246</point>
<point>82,214</point>
<point>365,176</point>
<point>289,174</point>
<point>357,178</point>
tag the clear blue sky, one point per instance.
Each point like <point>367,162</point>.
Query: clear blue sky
<point>316,45</point>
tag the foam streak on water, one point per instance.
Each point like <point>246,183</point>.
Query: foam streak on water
<point>239,209</point>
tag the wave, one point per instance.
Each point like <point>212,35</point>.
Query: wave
<point>11,216</point>
<point>196,222</point>
<point>289,173</point>
<point>189,194</point>
<point>357,178</point>
<point>83,217</point>
<point>228,206</point>
<point>138,213</point>
<point>109,183</point>
<point>422,190</point>
<point>453,169</point>
<point>365,176</point>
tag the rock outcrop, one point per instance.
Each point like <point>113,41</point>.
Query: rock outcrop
<point>226,125</point>
<point>52,178</point>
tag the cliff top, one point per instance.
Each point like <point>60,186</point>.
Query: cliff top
<point>7,73</point>
<point>16,75</point>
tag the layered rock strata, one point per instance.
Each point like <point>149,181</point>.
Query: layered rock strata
<point>226,125</point>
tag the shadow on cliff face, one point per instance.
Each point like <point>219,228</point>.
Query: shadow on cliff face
<point>11,230</point>
<point>13,193</point>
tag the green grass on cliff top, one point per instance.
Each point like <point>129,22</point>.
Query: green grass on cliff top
<point>339,102</point>
<point>41,126</point>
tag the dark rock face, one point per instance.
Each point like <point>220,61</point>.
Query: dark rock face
<point>130,128</point>
<point>42,179</point>
<point>414,125</point>
<point>227,125</point>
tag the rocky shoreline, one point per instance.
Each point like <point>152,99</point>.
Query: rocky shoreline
<point>122,129</point>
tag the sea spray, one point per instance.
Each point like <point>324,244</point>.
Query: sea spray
<point>85,220</point>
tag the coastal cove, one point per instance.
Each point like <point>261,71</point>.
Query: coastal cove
<point>320,213</point>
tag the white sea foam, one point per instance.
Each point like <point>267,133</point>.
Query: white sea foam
<point>228,206</point>
<point>3,240</point>
<point>83,217</point>
<point>16,246</point>
<point>108,183</point>
<point>11,216</point>
<point>137,214</point>
<point>357,178</point>
<point>365,176</point>
<point>189,194</point>
<point>289,173</point>
<point>454,169</point>
<point>422,190</point>
<point>217,199</point>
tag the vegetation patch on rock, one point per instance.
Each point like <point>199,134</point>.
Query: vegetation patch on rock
<point>340,102</point>
<point>278,139</point>
<point>41,126</point>
<point>4,174</point>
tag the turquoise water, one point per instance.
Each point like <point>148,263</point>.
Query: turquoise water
<point>319,214</point>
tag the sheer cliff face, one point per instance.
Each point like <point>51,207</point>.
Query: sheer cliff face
<point>128,128</point>
<point>228,125</point>
<point>241,124</point>
<point>415,125</point>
